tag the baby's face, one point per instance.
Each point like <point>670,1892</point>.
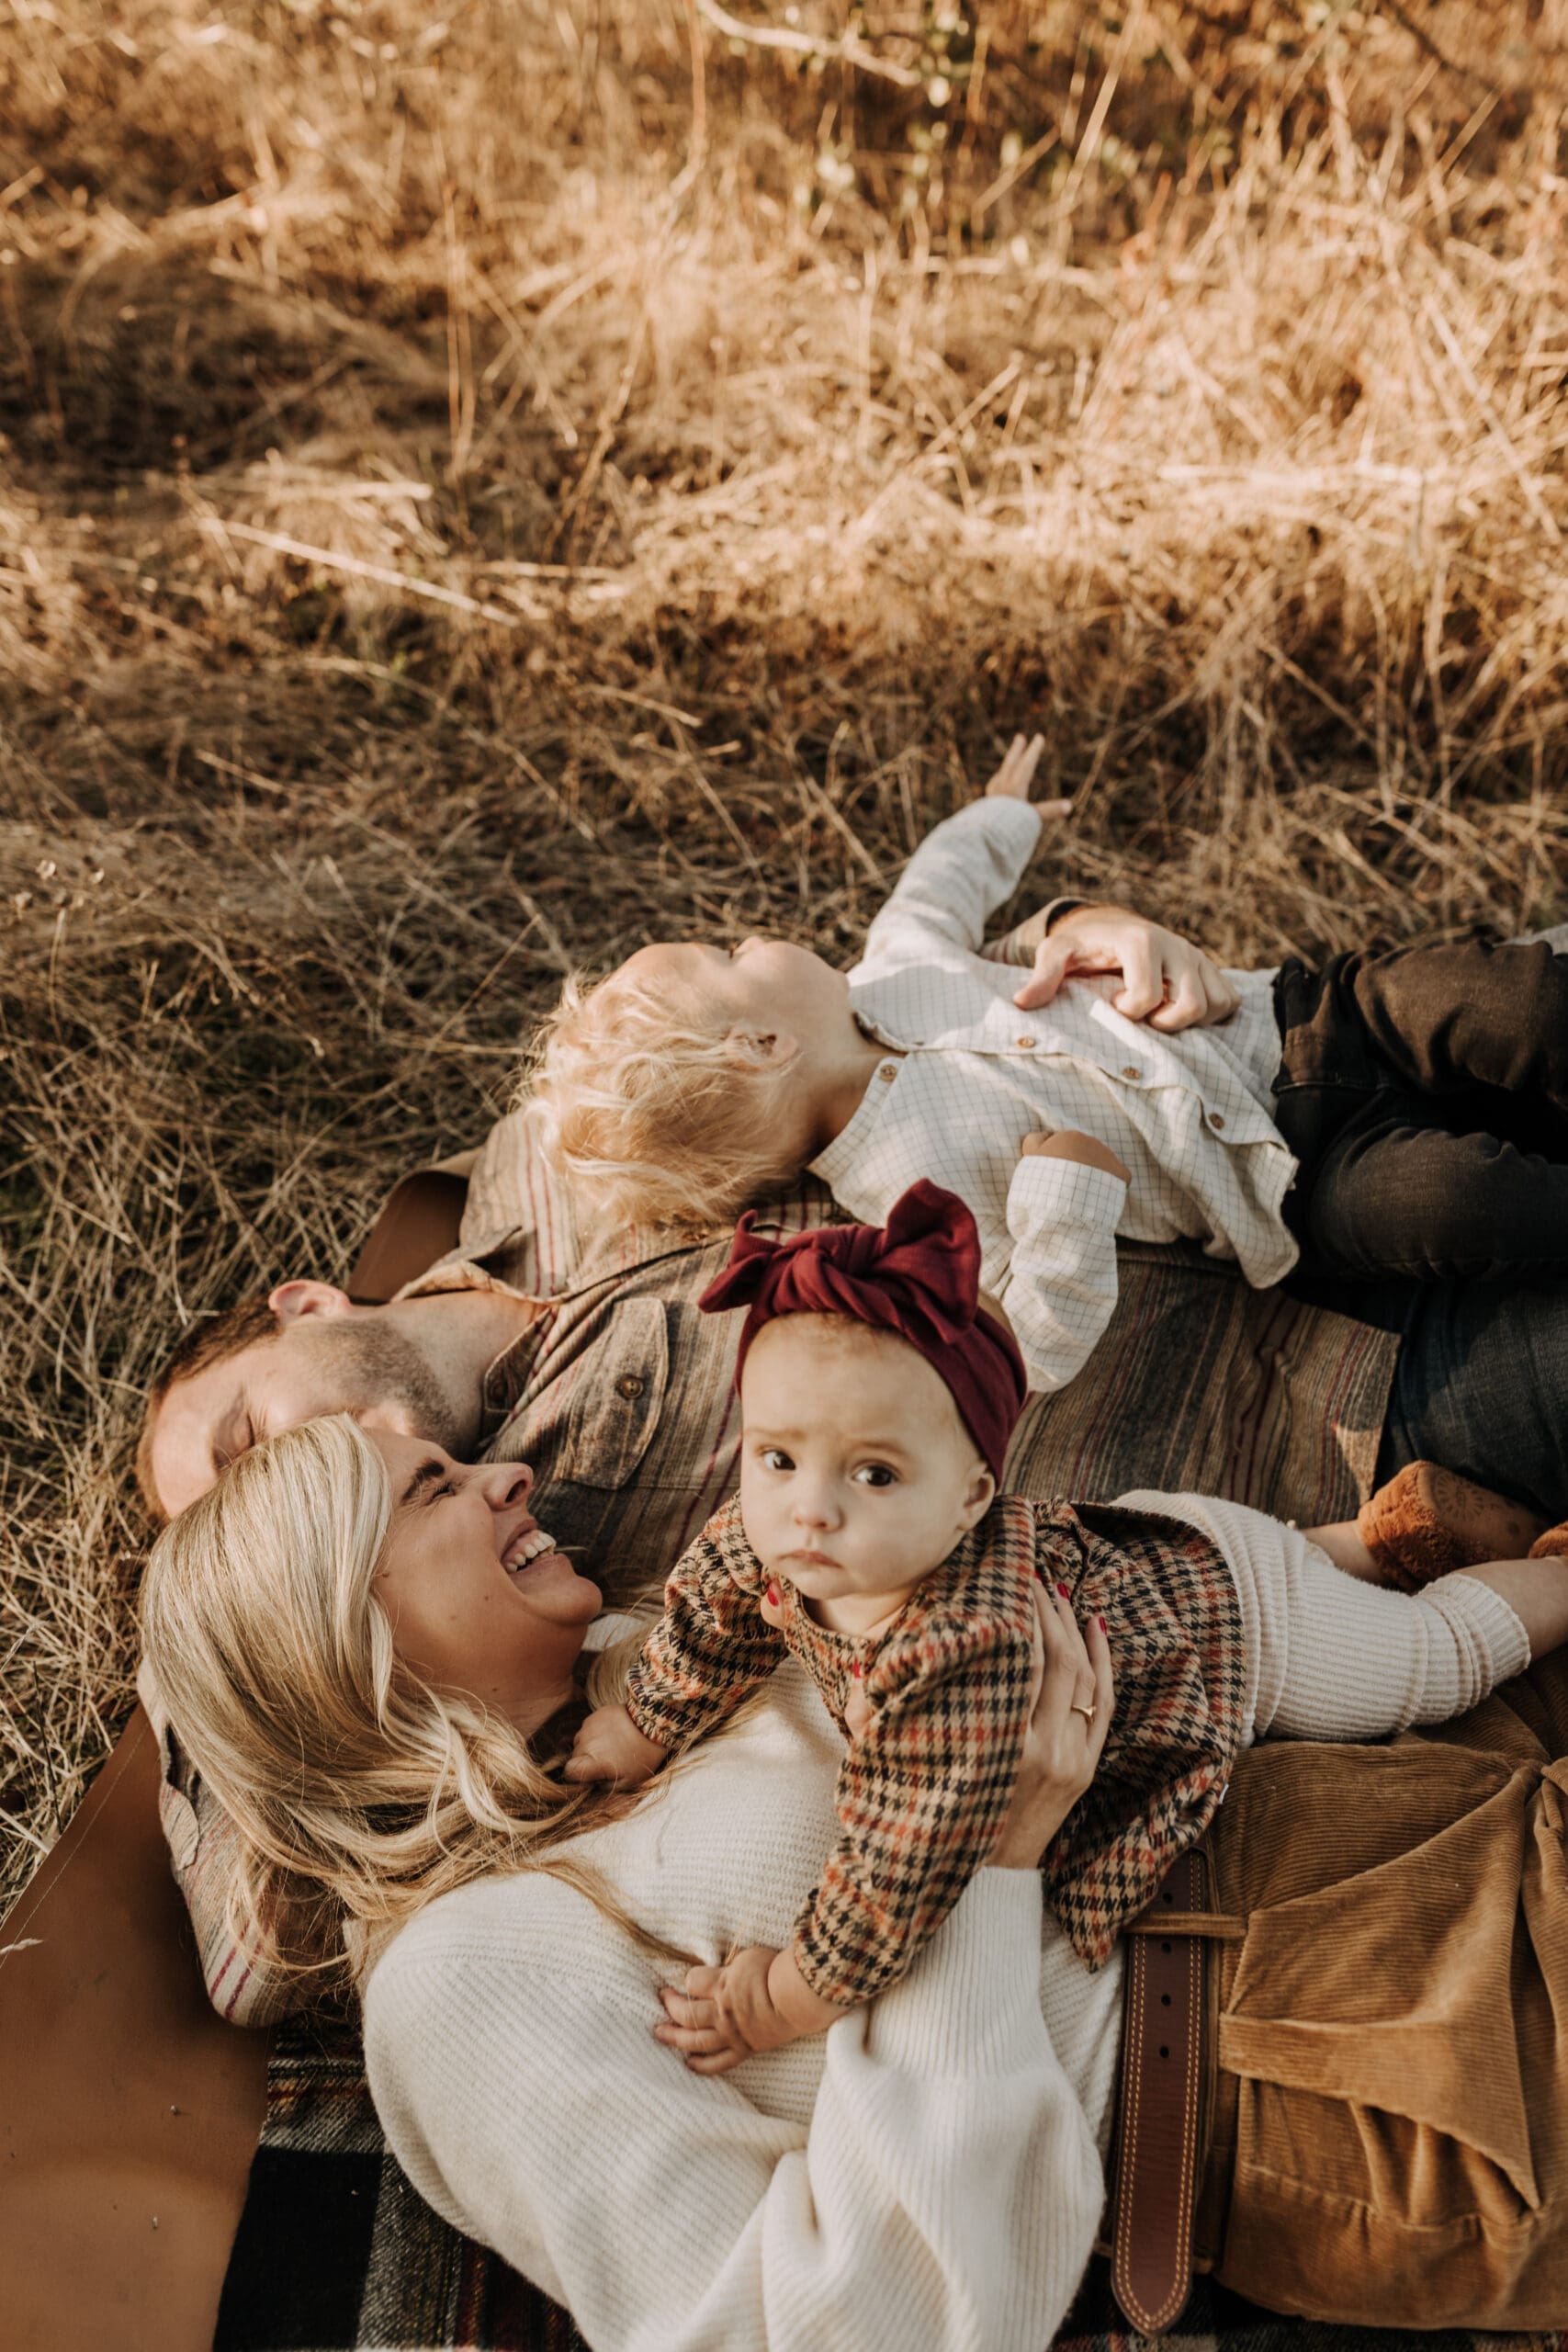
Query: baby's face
<point>857,1475</point>
<point>763,986</point>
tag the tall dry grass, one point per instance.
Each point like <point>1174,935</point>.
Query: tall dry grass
<point>476,491</point>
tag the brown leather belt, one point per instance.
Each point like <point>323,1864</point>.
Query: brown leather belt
<point>1160,2117</point>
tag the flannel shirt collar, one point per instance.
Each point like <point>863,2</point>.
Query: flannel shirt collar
<point>492,1262</point>
<point>483,1264</point>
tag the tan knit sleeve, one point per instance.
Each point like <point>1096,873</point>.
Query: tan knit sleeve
<point>712,1646</point>
<point>920,1798</point>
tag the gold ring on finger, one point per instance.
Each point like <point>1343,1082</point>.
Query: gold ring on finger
<point>1088,1713</point>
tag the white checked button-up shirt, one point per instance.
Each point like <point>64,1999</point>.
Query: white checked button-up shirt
<point>1190,1114</point>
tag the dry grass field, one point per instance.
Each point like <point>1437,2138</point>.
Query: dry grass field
<point>478,489</point>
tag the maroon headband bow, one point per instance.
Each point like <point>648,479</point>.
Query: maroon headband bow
<point>918,1275</point>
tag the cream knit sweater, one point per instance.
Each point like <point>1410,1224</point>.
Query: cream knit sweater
<point>925,2177</point>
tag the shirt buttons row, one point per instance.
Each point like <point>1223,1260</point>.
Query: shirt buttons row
<point>628,1385</point>
<point>1026,1042</point>
<point>1216,1120</point>
<point>888,1072</point>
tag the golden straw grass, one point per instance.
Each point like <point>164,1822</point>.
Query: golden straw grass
<point>480,491</point>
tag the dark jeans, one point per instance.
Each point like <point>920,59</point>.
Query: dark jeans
<point>1481,1384</point>
<point>1424,1093</point>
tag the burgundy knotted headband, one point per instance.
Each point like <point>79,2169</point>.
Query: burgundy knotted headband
<point>918,1275</point>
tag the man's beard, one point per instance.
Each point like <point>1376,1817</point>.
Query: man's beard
<point>378,1368</point>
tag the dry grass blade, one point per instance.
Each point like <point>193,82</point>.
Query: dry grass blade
<point>381,574</point>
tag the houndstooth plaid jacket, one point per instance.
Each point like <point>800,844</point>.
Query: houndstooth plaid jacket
<point>922,1793</point>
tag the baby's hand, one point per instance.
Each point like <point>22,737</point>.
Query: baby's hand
<point>1066,1143</point>
<point>758,2000</point>
<point>1016,774</point>
<point>609,1746</point>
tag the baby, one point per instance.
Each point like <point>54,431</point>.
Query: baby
<point>869,1540</point>
<point>695,1079</point>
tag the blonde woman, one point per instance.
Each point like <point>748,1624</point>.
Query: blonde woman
<point>377,1657</point>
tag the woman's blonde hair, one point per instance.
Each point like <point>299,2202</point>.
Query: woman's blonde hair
<point>359,1793</point>
<point>657,1116</point>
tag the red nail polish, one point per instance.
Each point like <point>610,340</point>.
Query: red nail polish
<point>775,1597</point>
<point>1100,1622</point>
<point>857,1670</point>
<point>1065,1593</point>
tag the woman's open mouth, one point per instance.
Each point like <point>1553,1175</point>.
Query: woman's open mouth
<point>530,1543</point>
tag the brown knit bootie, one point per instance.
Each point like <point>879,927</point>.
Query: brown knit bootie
<point>1427,1521</point>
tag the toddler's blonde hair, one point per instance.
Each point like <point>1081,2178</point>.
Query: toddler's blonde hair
<point>654,1114</point>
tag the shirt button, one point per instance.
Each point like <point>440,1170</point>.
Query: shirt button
<point>629,1385</point>
<point>888,1072</point>
<point>1216,1119</point>
<point>1130,1069</point>
<point>1026,1042</point>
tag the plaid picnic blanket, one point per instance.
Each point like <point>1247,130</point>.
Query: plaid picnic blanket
<point>336,2253</point>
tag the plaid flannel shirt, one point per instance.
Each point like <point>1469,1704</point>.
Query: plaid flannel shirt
<point>922,1791</point>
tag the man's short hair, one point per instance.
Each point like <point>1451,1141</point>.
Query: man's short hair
<point>210,1339</point>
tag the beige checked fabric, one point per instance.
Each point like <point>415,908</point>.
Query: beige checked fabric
<point>1191,1115</point>
<point>922,1793</point>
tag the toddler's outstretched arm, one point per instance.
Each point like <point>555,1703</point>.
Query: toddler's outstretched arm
<point>964,870</point>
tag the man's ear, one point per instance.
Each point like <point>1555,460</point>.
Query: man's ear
<point>291,1300</point>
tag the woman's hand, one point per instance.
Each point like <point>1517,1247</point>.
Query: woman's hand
<point>1074,1699</point>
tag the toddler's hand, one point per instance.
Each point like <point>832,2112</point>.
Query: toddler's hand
<point>1066,1143</point>
<point>1016,774</point>
<point>758,2000</point>
<point>609,1746</point>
